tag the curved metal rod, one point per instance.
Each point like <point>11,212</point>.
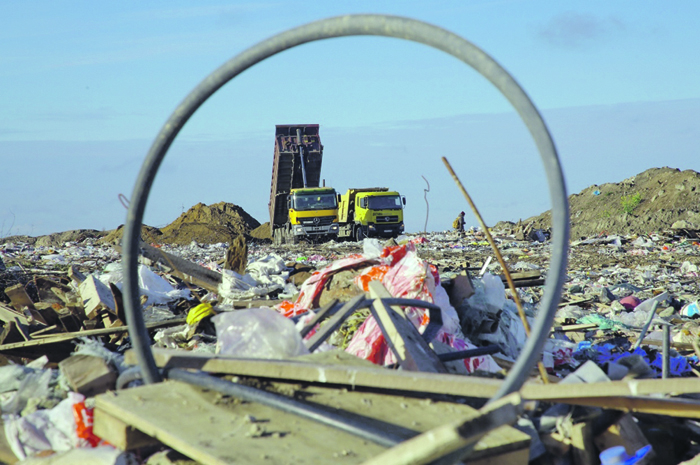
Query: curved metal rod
<point>359,25</point>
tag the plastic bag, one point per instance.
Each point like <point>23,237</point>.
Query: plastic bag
<point>263,277</point>
<point>489,294</point>
<point>156,288</point>
<point>405,275</point>
<point>51,429</point>
<point>257,333</point>
<point>33,385</point>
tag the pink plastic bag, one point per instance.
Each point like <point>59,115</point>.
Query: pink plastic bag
<point>412,278</point>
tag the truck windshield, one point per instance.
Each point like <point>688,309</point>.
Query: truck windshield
<point>315,201</point>
<point>385,202</point>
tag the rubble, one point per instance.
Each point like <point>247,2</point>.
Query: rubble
<point>621,360</point>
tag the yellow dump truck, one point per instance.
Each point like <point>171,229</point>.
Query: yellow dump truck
<point>299,207</point>
<point>370,212</point>
<point>312,214</point>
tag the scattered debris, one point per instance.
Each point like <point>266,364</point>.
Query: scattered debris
<point>391,340</point>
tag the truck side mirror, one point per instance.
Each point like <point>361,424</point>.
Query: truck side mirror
<point>363,202</point>
<point>403,199</point>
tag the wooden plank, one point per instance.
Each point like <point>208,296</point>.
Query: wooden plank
<point>121,435</point>
<point>403,338</point>
<point>630,388</point>
<point>63,337</point>
<point>674,344</point>
<point>672,407</point>
<point>522,275</point>
<point>449,439</point>
<point>88,374</point>
<point>76,275</point>
<point>48,331</point>
<point>583,448</point>
<point>255,303</point>
<point>11,333</point>
<point>334,323</point>
<point>183,269</point>
<point>372,376</point>
<point>218,433</point>
<point>96,296</point>
<point>625,432</point>
<point>359,374</point>
<point>222,430</point>
<point>23,330</point>
<point>19,297</point>
<point>8,314</point>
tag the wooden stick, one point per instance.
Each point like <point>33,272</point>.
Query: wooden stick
<point>501,261</point>
<point>62,337</point>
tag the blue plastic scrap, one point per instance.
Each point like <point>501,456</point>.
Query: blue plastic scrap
<point>678,365</point>
<point>618,455</point>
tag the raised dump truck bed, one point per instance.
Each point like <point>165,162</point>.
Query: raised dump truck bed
<point>287,173</point>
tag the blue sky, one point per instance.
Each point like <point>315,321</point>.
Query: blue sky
<point>86,87</point>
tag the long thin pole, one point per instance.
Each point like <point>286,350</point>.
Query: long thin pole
<point>499,257</point>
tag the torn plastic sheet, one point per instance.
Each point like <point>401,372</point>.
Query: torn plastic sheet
<point>311,289</point>
<point>405,275</point>
<point>34,385</point>
<point>262,277</point>
<point>489,299</point>
<point>158,290</point>
<point>50,429</point>
<point>87,346</point>
<point>257,333</point>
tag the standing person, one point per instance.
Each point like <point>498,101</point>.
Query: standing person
<point>458,223</point>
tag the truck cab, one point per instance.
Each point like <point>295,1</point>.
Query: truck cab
<point>370,212</point>
<point>313,213</point>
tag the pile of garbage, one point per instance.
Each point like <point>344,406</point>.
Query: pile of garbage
<point>436,304</point>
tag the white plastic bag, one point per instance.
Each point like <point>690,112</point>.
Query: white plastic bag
<point>156,288</point>
<point>257,333</point>
<point>489,295</point>
<point>51,429</point>
<point>263,277</point>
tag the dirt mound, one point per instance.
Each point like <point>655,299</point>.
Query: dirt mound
<point>59,239</point>
<point>69,236</point>
<point>649,202</point>
<point>148,234</point>
<point>262,232</point>
<point>220,222</point>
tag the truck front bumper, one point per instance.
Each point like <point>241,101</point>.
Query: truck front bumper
<point>385,230</point>
<point>315,231</point>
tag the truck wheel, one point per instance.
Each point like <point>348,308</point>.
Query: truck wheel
<point>359,234</point>
<point>291,238</point>
<point>277,237</point>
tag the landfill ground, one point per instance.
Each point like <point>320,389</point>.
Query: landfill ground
<point>633,284</point>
